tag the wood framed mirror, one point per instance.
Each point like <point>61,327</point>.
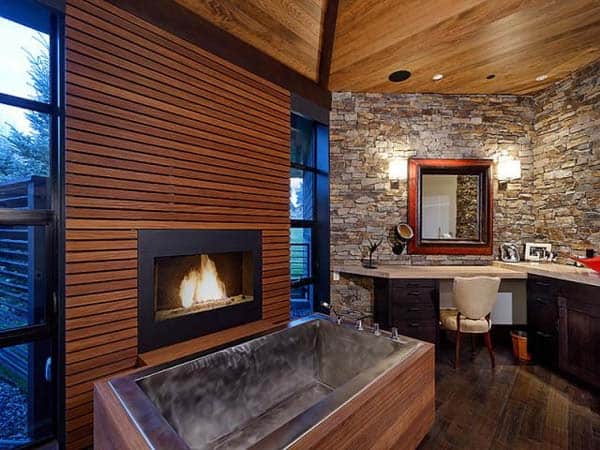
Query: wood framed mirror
<point>450,206</point>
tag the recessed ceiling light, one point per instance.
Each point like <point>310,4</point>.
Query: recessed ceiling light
<point>399,75</point>
<point>491,76</point>
<point>437,77</point>
<point>541,77</point>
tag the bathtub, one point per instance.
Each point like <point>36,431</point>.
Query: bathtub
<point>295,388</point>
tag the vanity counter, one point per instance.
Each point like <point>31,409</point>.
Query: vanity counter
<point>499,269</point>
<point>556,271</point>
<point>431,272</point>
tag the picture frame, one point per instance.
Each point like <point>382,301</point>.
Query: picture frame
<point>509,252</point>
<point>536,251</point>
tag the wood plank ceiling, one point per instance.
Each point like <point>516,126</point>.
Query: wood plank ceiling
<point>287,30</point>
<point>465,40</point>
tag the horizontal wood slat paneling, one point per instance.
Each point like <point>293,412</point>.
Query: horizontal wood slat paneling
<point>96,134</point>
<point>159,135</point>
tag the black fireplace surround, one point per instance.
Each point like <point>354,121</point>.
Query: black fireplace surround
<point>152,244</point>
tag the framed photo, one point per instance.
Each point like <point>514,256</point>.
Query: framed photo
<point>509,253</point>
<point>536,251</point>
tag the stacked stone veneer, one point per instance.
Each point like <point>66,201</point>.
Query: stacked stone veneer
<point>368,130</point>
<point>467,207</point>
<point>567,162</point>
<point>555,135</point>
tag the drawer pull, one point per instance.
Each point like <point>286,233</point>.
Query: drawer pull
<point>414,324</point>
<point>541,300</point>
<point>414,308</point>
<point>544,335</point>
<point>415,293</point>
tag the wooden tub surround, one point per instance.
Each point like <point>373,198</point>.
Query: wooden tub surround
<point>372,393</point>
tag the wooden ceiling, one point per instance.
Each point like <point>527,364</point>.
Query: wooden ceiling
<point>287,30</point>
<point>465,40</point>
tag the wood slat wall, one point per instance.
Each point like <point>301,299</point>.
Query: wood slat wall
<point>162,135</point>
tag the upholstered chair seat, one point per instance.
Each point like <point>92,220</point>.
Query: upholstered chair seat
<point>474,299</point>
<point>449,322</point>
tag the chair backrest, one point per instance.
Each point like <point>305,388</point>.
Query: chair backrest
<point>475,297</point>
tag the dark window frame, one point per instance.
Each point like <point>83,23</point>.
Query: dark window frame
<point>28,13</point>
<point>319,223</point>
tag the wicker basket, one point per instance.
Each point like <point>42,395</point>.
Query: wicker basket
<point>519,344</point>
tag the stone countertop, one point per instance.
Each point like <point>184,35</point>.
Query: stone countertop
<point>552,270</point>
<point>436,272</point>
<point>497,269</point>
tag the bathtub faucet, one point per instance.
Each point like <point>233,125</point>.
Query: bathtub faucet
<point>338,318</point>
<point>359,325</point>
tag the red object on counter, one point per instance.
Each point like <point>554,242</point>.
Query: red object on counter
<point>592,263</point>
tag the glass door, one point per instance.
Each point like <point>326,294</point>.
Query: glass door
<point>29,138</point>
<point>309,215</point>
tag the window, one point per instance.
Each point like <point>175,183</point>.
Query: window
<point>309,213</point>
<point>29,136</point>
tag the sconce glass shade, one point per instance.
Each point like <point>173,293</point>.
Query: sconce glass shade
<point>398,169</point>
<point>508,169</point>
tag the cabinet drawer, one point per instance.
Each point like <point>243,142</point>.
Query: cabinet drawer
<point>412,324</point>
<point>422,311</point>
<point>422,295</point>
<point>418,329</point>
<point>541,287</point>
<point>413,284</point>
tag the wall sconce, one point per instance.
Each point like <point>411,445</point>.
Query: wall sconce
<point>508,169</point>
<point>397,172</point>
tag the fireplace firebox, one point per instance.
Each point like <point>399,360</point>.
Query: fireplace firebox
<point>195,282</point>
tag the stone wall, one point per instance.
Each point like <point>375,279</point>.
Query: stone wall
<point>555,135</point>
<point>367,130</point>
<point>467,207</point>
<point>567,162</point>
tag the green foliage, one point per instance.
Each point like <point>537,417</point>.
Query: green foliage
<point>23,154</point>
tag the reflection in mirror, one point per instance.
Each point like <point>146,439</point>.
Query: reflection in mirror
<point>450,207</point>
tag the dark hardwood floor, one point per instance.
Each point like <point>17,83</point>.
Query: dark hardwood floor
<point>511,407</point>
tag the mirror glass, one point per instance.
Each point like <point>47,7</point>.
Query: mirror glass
<point>450,207</point>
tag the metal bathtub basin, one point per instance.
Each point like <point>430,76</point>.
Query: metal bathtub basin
<point>274,391</point>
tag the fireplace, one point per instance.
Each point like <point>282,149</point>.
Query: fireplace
<point>195,282</point>
<point>192,284</point>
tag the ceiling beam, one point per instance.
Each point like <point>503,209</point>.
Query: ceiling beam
<point>328,36</point>
<point>180,21</point>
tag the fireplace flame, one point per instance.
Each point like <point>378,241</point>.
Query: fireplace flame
<point>202,284</point>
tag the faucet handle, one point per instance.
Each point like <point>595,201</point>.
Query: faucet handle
<point>395,335</point>
<point>359,325</point>
<point>338,320</point>
<point>376,330</point>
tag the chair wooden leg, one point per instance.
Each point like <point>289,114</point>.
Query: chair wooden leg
<point>457,350</point>
<point>472,345</point>
<point>488,344</point>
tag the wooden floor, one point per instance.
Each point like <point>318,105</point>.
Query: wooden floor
<point>511,407</point>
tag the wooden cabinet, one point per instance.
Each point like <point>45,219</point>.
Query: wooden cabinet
<point>542,319</point>
<point>579,331</point>
<point>564,326</point>
<point>412,306</point>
